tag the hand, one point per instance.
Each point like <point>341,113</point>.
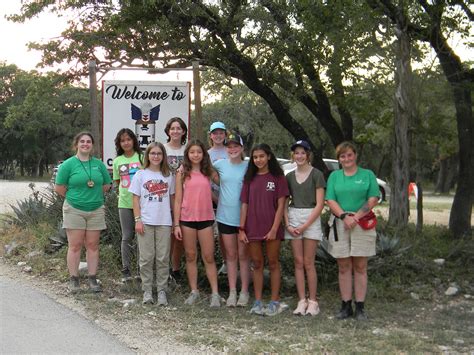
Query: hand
<point>271,235</point>
<point>350,222</point>
<point>293,231</point>
<point>177,233</point>
<point>300,229</point>
<point>139,228</point>
<point>243,237</point>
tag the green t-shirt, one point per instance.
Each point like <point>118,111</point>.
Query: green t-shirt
<point>124,169</point>
<point>351,192</point>
<point>304,195</point>
<point>74,174</point>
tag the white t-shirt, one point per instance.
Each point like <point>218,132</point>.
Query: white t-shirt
<point>154,190</point>
<point>175,156</point>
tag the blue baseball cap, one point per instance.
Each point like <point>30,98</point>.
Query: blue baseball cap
<point>217,125</point>
<point>305,145</point>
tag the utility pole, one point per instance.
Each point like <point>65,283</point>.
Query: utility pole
<point>94,110</point>
<point>197,100</point>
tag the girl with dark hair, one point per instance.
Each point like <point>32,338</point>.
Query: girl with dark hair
<point>128,161</point>
<point>263,200</point>
<point>153,199</point>
<point>176,131</point>
<point>194,217</point>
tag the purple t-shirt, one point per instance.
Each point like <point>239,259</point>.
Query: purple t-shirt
<point>262,195</point>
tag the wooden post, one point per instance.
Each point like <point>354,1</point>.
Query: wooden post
<point>197,101</point>
<point>94,110</point>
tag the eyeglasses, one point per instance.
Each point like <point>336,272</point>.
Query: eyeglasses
<point>155,154</point>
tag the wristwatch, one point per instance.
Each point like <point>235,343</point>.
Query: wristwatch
<point>343,215</point>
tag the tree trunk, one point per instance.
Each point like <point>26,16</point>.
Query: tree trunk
<point>399,207</point>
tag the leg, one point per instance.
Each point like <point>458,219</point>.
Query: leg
<point>345,277</point>
<point>127,224</point>
<point>92,250</point>
<point>229,241</point>
<point>177,254</point>
<point>206,242</point>
<point>360,277</point>
<point>146,245</point>
<point>297,248</point>
<point>273,254</point>
<point>190,251</point>
<point>244,266</point>
<point>75,239</point>
<point>310,247</point>
<point>162,252</point>
<point>256,255</point>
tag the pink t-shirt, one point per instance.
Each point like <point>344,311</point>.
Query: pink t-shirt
<point>197,199</point>
<point>262,196</point>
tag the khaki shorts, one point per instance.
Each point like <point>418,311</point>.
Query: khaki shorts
<point>354,242</point>
<point>84,220</point>
<point>297,217</point>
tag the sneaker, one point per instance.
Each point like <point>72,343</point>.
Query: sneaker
<point>94,285</point>
<point>232,300</point>
<point>313,308</point>
<point>346,310</point>
<point>147,297</point>
<point>301,308</point>
<point>273,308</point>
<point>360,314</point>
<point>126,276</point>
<point>223,269</point>
<point>243,299</point>
<point>215,300</point>
<point>257,308</point>
<point>193,297</point>
<point>74,285</point>
<point>162,299</point>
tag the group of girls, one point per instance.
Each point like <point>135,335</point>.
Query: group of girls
<point>170,190</point>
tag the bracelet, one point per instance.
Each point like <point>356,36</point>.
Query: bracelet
<point>138,218</point>
<point>176,225</point>
<point>343,215</point>
<point>241,229</point>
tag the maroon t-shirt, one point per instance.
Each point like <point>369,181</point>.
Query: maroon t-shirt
<point>262,195</point>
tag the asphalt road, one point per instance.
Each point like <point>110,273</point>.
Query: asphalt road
<point>32,323</point>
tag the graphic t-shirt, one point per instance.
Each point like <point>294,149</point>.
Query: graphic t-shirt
<point>262,195</point>
<point>75,174</point>
<point>304,195</point>
<point>231,177</point>
<point>351,192</point>
<point>154,190</point>
<point>175,156</point>
<point>124,170</point>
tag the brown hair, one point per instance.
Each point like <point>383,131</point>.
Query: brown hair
<point>344,147</point>
<point>206,166</point>
<point>164,167</point>
<point>309,155</point>
<point>183,127</point>
<point>78,136</point>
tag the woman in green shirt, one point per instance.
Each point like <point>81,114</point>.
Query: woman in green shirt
<point>83,180</point>
<point>351,194</point>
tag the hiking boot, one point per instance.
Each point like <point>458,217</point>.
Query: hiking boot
<point>313,308</point>
<point>257,308</point>
<point>360,314</point>
<point>148,297</point>
<point>232,300</point>
<point>273,308</point>
<point>243,299</point>
<point>215,300</point>
<point>126,276</point>
<point>193,297</point>
<point>301,308</point>
<point>162,299</point>
<point>94,285</point>
<point>346,310</point>
<point>74,285</point>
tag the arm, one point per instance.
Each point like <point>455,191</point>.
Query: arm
<point>215,177</point>
<point>243,218</point>
<point>289,228</point>
<point>315,213</point>
<point>60,190</point>
<point>349,221</point>
<point>271,235</point>
<point>178,199</point>
<point>105,188</point>
<point>137,213</point>
<point>367,207</point>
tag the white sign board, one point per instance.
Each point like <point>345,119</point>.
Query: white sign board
<point>143,106</point>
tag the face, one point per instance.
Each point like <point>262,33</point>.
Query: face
<point>155,156</point>
<point>348,159</point>
<point>260,159</point>
<point>176,132</point>
<point>84,144</point>
<point>126,143</point>
<point>218,136</point>
<point>195,154</point>
<point>234,150</point>
<point>300,156</point>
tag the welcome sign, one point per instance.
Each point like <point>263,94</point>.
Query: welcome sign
<point>144,107</point>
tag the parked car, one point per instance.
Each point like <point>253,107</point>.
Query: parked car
<point>333,164</point>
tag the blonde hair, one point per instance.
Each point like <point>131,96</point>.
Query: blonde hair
<point>164,167</point>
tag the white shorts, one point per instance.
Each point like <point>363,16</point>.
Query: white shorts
<point>353,242</point>
<point>297,217</point>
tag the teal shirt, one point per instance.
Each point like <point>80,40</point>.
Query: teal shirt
<point>74,174</point>
<point>351,192</point>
